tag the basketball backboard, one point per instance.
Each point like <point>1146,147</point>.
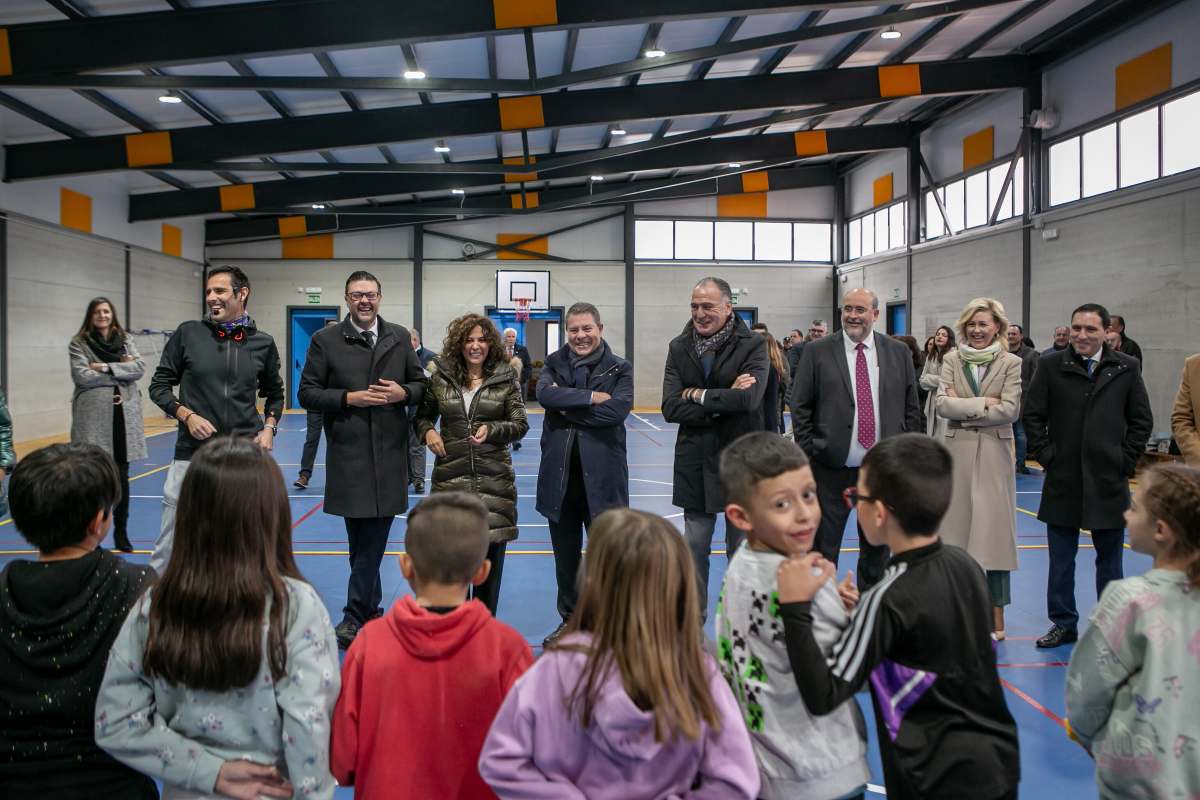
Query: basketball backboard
<point>515,285</point>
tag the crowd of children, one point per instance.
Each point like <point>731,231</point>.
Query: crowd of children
<point>221,677</point>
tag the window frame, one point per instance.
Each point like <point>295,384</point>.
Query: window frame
<point>873,213</point>
<point>1156,103</point>
<point>792,221</point>
<point>1014,190</point>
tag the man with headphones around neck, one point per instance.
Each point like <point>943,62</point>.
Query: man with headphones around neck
<point>220,364</point>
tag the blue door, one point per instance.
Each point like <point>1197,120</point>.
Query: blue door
<point>508,319</point>
<point>897,319</point>
<point>748,315</point>
<point>303,322</point>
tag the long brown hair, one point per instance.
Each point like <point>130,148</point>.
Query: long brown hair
<point>939,353</point>
<point>1172,494</point>
<point>639,602</point>
<point>85,330</point>
<point>775,354</point>
<point>233,548</point>
<point>451,361</point>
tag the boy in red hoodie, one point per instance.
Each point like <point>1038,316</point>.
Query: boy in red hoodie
<point>421,685</point>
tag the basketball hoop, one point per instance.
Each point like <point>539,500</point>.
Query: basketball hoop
<point>523,309</point>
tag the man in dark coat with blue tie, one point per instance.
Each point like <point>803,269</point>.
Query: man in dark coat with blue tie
<point>1088,419</point>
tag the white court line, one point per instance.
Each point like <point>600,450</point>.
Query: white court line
<point>647,480</point>
<point>873,789</point>
<point>410,497</point>
<point>643,419</point>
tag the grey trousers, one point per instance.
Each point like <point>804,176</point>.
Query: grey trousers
<point>698,529</point>
<point>416,457</point>
<point>166,531</point>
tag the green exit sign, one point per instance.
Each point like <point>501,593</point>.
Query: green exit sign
<point>314,299</point>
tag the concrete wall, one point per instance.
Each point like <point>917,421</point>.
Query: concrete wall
<point>816,203</point>
<point>52,275</point>
<point>786,297</point>
<point>946,277</point>
<point>860,195</point>
<point>1140,259</point>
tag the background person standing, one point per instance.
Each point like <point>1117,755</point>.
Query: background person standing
<point>713,387</point>
<point>360,376</point>
<point>587,392</point>
<point>851,390</point>
<point>221,364</point>
<point>1088,419</point>
<point>106,408</point>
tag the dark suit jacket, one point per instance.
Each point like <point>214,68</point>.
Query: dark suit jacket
<point>793,356</point>
<point>367,455</point>
<point>823,400</point>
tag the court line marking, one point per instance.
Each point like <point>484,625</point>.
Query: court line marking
<point>1034,665</point>
<point>314,496</point>
<point>1050,714</point>
<point>643,419</point>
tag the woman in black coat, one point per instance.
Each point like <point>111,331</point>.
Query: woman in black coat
<point>474,392</point>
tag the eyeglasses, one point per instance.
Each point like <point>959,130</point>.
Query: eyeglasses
<point>852,497</point>
<point>356,296</point>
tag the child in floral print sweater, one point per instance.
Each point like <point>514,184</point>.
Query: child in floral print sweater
<point>1134,682</point>
<point>224,676</point>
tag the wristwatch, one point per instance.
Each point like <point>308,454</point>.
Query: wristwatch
<point>274,428</point>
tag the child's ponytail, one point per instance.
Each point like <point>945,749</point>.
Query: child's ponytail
<point>1173,496</point>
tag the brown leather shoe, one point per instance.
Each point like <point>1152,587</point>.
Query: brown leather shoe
<point>301,482</point>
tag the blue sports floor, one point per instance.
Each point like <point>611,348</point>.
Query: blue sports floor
<point>1051,765</point>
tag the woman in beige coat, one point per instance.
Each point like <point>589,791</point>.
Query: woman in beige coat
<point>979,396</point>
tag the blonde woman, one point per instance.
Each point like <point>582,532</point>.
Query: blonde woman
<point>979,396</point>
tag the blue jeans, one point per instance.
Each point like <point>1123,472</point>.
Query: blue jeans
<point>1060,580</point>
<point>1021,441</point>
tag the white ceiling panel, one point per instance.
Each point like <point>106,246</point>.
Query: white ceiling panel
<point>384,99</point>
<point>735,66</point>
<point>297,65</point>
<point>764,24</point>
<point>965,29</point>
<point>370,62</point>
<point>306,103</point>
<point>549,50</point>
<point>360,155</point>
<point>610,45</point>
<point>469,148</point>
<point>510,58</point>
<point>73,110</point>
<point>581,137</point>
<point>1048,17</point>
<point>17,129</point>
<point>19,12</point>
<point>146,105</point>
<point>460,58</point>
<point>687,34</point>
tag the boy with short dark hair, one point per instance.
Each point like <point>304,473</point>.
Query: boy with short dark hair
<point>421,685</point>
<point>772,496</point>
<point>59,616</point>
<point>920,636</point>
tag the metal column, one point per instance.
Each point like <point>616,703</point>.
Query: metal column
<point>629,280</point>
<point>418,256</point>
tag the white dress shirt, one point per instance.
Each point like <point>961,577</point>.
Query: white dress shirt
<point>854,458</point>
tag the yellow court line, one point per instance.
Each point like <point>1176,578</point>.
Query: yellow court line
<point>151,472</point>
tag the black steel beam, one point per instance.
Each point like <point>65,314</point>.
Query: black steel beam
<point>1089,26</point>
<point>279,194</point>
<point>474,117</point>
<point>218,33</point>
<point>221,231</point>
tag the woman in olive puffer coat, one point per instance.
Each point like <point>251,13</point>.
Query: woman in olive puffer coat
<point>475,393</point>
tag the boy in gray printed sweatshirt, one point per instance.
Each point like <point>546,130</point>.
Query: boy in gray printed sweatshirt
<point>772,497</point>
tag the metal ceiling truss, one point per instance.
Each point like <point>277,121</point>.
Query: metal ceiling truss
<point>220,33</point>
<point>864,26</point>
<point>443,177</point>
<point>221,231</point>
<point>488,116</point>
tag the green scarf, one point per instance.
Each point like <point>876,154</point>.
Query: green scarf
<point>976,358</point>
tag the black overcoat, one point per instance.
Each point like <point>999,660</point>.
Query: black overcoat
<point>725,414</point>
<point>366,460</point>
<point>1088,434</point>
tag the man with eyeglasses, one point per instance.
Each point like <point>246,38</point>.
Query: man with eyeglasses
<point>816,330</point>
<point>849,391</point>
<point>362,375</point>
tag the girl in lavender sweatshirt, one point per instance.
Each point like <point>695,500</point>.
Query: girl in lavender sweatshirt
<point>627,704</point>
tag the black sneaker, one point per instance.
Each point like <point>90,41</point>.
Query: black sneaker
<point>419,488</point>
<point>346,630</point>
<point>121,542</point>
<point>1057,636</point>
<point>555,636</point>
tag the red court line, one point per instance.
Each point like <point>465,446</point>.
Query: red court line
<point>308,514</point>
<point>1057,719</point>
<point>1035,665</point>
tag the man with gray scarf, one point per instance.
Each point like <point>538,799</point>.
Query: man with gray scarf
<point>587,392</point>
<point>713,386</point>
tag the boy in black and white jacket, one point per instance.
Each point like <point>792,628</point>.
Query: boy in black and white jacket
<point>921,637</point>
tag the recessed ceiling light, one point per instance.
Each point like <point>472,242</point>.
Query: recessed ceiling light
<point>458,191</point>
<point>617,131</point>
<point>597,178</point>
<point>170,98</point>
<point>655,53</point>
<point>414,74</point>
<point>318,206</point>
<point>733,165</point>
<point>441,148</point>
<point>890,33</point>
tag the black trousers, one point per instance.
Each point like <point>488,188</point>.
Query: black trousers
<point>312,440</point>
<point>830,485</point>
<point>566,538</point>
<point>121,456</point>
<point>488,592</point>
<point>368,541</point>
<point>1063,544</point>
